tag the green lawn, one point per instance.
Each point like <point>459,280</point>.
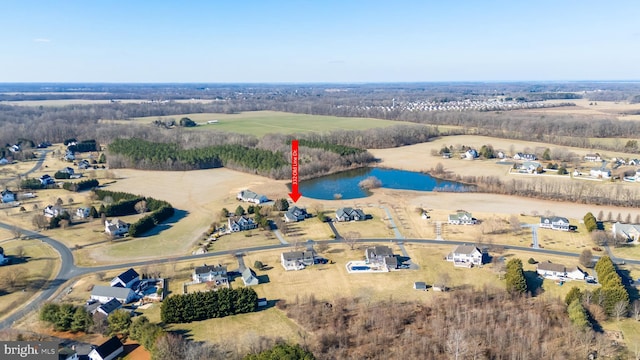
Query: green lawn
<point>259,123</point>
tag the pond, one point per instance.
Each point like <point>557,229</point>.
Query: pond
<point>344,185</point>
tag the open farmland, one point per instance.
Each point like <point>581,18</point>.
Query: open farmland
<point>259,123</point>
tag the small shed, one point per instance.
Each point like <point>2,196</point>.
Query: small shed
<point>420,285</point>
<point>262,302</point>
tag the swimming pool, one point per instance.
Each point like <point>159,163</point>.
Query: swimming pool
<point>360,268</point>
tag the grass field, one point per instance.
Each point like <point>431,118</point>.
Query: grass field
<point>259,123</point>
<point>42,263</point>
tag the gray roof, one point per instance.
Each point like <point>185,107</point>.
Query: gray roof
<point>419,285</point>
<point>209,268</point>
<point>465,249</point>
<point>249,277</point>
<point>549,266</point>
<point>108,291</point>
<point>294,255</point>
<point>379,251</point>
<point>110,306</point>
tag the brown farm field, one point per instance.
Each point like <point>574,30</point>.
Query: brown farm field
<point>613,109</point>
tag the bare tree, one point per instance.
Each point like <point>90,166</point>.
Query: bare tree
<point>17,232</point>
<point>351,238</point>
<point>586,258</point>
<point>14,278</point>
<point>600,215</point>
<point>40,221</point>
<point>610,216</point>
<point>141,207</point>
<point>442,280</point>
<point>620,309</point>
<point>514,222</point>
<point>70,201</point>
<point>636,310</point>
<point>20,251</point>
<point>457,344</point>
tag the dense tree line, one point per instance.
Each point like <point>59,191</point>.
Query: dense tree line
<point>128,204</point>
<point>66,317</point>
<point>84,146</point>
<point>81,185</point>
<point>207,305</point>
<point>282,351</point>
<point>338,149</point>
<point>612,294</point>
<point>467,324</point>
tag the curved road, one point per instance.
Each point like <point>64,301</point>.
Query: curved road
<point>68,269</point>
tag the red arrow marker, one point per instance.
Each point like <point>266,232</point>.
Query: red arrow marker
<point>294,194</point>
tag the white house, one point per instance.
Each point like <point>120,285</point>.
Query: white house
<point>250,196</point>
<point>127,279</point>
<point>550,270</point>
<point>105,293</point>
<point>53,211</point>
<point>67,170</point>
<point>8,196</point>
<point>67,353</point>
<point>521,156</point>
<point>462,218</point>
<point>592,157</point>
<point>600,172</point>
<point>381,255</point>
<point>296,260</point>
<point>116,227</point>
<point>465,256</point>
<point>208,273</point>
<point>46,179</point>
<point>83,212</point>
<point>554,223</point>
<point>471,154</point>
<point>629,232</point>
<point>108,350</point>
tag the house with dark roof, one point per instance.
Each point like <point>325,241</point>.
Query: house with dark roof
<point>296,260</point>
<point>295,214</point>
<point>108,350</point>
<point>127,279</point>
<point>381,255</point>
<point>46,179</point>
<point>67,353</point>
<point>554,223</point>
<point>108,307</point>
<point>209,273</point>
<point>240,223</point>
<point>465,256</point>
<point>8,196</point>
<point>105,293</point>
<point>350,214</point>
<point>250,196</point>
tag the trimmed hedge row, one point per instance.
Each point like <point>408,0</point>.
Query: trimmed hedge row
<point>207,305</point>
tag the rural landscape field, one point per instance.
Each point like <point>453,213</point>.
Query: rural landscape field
<point>187,162</point>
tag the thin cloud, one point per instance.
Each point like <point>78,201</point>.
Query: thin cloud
<point>41,40</point>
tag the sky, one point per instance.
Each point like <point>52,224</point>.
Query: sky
<point>322,41</point>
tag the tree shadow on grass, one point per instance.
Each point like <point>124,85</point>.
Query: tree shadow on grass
<point>263,279</point>
<point>177,216</point>
<point>534,282</point>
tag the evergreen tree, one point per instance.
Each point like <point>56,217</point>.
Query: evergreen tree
<point>572,295</point>
<point>82,320</point>
<point>239,211</point>
<point>578,314</point>
<point>516,281</point>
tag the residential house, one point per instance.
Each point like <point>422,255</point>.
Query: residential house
<point>629,232</point>
<point>3,259</point>
<point>4,161</point>
<point>295,214</point>
<point>15,148</point>
<point>250,196</point>
<point>462,218</point>
<point>127,279</point>
<point>67,353</point>
<point>108,307</point>
<point>592,157</point>
<point>84,164</point>
<point>501,155</point>
<point>209,273</point>
<point>105,293</point>
<point>8,196</point>
<point>531,166</point>
<point>240,223</point>
<point>108,350</point>
<point>471,154</point>
<point>69,156</point>
<point>558,271</point>
<point>554,223</point>
<point>83,212</point>
<point>600,172</point>
<point>53,211</point>
<point>249,277</point>
<point>350,214</point>
<point>634,162</point>
<point>425,215</point>
<point>296,260</point>
<point>116,227</point>
<point>465,256</point>
<point>67,170</point>
<point>381,255</point>
<point>522,156</point>
<point>46,179</point>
